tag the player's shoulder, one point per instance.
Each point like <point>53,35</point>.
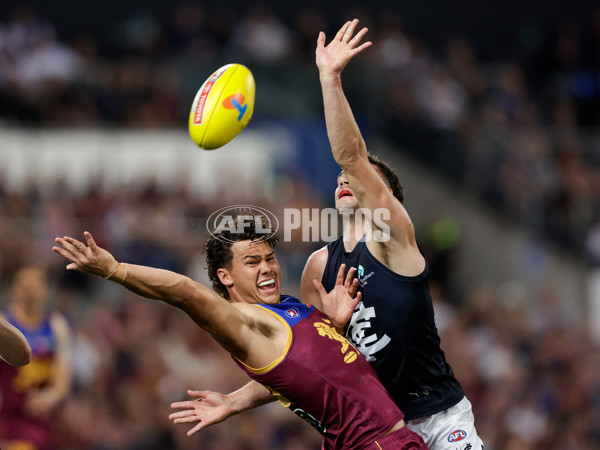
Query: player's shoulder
<point>319,257</point>
<point>315,264</point>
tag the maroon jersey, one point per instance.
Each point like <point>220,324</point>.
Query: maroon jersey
<point>323,379</point>
<point>18,429</point>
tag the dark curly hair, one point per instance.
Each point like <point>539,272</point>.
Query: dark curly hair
<point>390,177</point>
<point>218,246</point>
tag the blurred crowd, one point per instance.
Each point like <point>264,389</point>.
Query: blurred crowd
<point>519,130</point>
<point>518,127</point>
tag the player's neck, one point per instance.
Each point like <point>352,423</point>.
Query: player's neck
<point>353,231</point>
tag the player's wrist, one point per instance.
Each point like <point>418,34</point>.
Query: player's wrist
<point>118,274</point>
<point>328,76</point>
<point>233,404</point>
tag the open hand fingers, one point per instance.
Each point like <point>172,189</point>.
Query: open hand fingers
<point>90,241</point>
<point>184,404</point>
<point>198,427</point>
<point>342,32</point>
<point>349,278</point>
<point>356,39</point>
<point>353,288</point>
<point>340,275</point>
<point>200,395</point>
<point>72,245</point>
<point>321,40</point>
<point>349,30</point>
<point>68,251</point>
<point>187,415</point>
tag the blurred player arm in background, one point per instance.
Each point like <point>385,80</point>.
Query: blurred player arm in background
<point>14,348</point>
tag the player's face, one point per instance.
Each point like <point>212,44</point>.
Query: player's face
<point>255,275</point>
<point>30,288</point>
<point>344,195</point>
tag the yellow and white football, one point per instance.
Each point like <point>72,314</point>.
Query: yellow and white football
<point>222,107</point>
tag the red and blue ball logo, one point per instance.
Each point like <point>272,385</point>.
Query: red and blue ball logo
<point>238,102</point>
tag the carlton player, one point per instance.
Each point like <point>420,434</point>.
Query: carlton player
<point>394,326</point>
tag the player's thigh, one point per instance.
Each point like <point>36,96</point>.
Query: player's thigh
<point>450,429</point>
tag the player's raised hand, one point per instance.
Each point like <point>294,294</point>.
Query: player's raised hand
<point>207,409</point>
<point>340,302</point>
<point>86,258</point>
<point>332,58</point>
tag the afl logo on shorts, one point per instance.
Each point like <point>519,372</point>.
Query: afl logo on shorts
<point>293,313</point>
<point>457,435</point>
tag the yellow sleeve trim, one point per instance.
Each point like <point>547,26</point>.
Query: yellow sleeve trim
<point>272,365</point>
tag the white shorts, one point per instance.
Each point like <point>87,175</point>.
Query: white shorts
<point>452,429</point>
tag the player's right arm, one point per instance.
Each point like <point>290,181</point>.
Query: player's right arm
<point>14,348</point>
<point>229,326</point>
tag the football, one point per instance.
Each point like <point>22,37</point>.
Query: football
<point>222,107</point>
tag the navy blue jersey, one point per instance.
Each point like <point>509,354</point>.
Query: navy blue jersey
<point>394,328</point>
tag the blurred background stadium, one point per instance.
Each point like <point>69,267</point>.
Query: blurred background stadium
<point>490,112</point>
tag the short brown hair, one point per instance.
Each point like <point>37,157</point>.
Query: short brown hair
<point>390,177</point>
<point>218,247</point>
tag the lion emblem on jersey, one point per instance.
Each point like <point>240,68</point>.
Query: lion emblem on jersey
<point>326,330</point>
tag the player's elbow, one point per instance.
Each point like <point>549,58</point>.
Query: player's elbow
<point>191,296</point>
<point>186,289</point>
<point>351,153</point>
<point>25,359</point>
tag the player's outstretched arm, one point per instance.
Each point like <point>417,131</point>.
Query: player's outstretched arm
<point>209,310</point>
<point>344,135</point>
<point>347,144</point>
<point>14,348</point>
<point>209,408</point>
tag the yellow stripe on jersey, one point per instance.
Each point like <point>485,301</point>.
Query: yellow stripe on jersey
<point>268,367</point>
